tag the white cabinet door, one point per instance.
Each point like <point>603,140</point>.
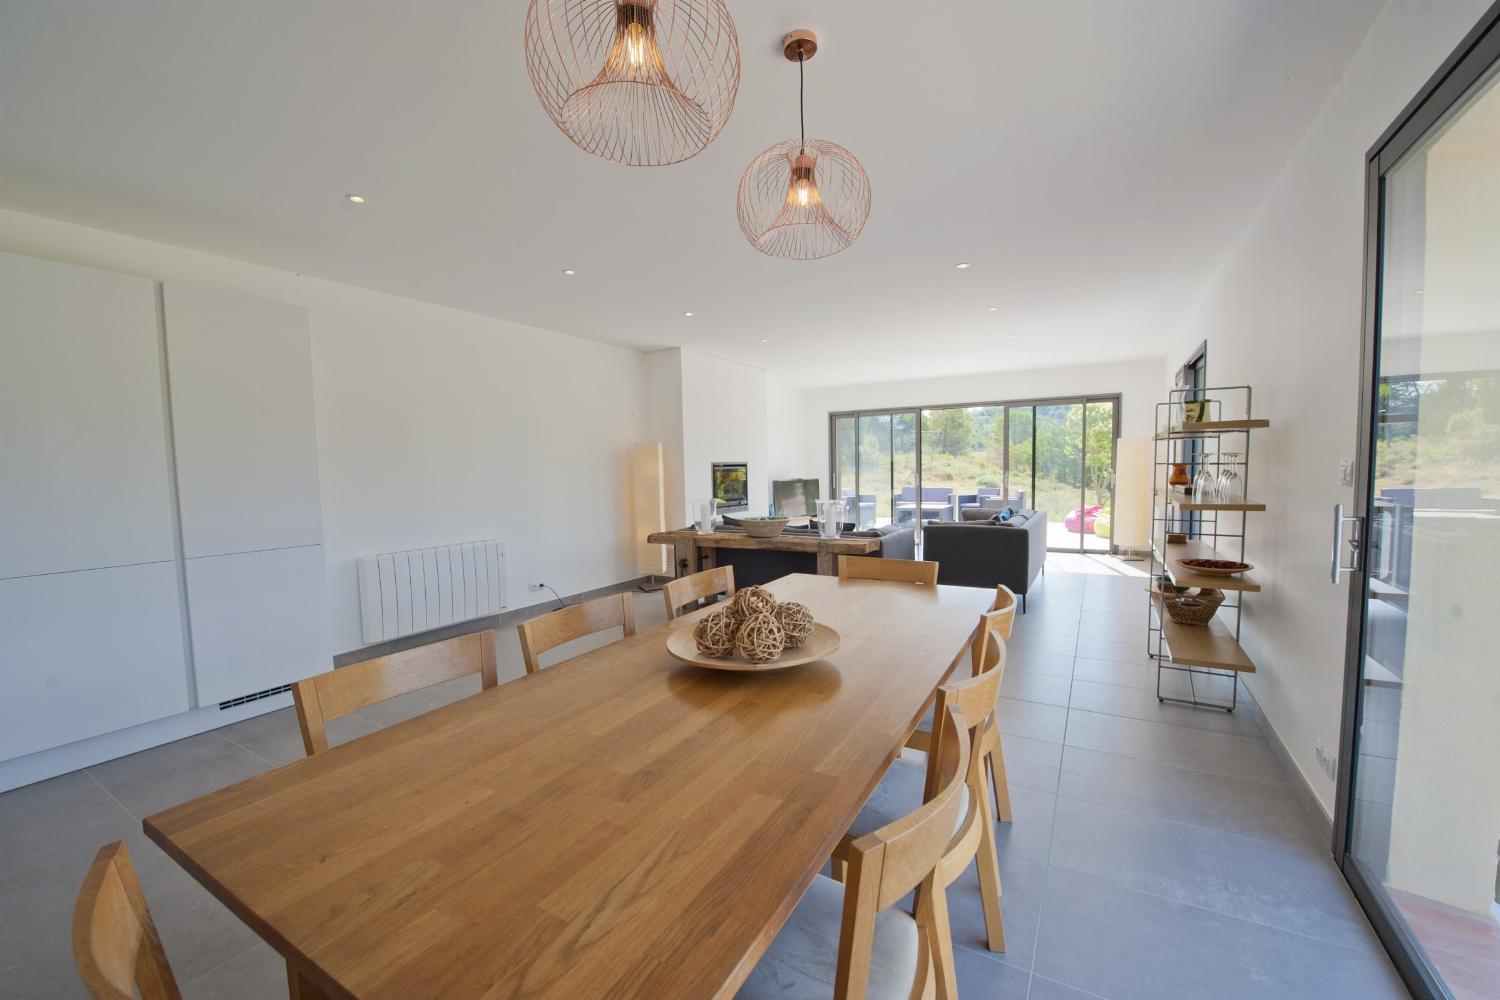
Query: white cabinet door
<point>259,620</point>
<point>88,653</point>
<point>242,416</point>
<point>83,440</point>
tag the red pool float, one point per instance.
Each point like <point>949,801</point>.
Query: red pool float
<point>1087,515</point>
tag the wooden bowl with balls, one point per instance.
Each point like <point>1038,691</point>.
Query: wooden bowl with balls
<point>753,631</point>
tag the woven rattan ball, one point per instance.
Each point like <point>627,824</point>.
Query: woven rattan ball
<point>715,634</point>
<point>761,638</point>
<point>752,601</point>
<point>796,621</point>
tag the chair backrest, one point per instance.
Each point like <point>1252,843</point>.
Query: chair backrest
<point>989,491</point>
<point>692,589</point>
<point>971,700</point>
<point>574,622</point>
<point>943,493</point>
<point>876,568</point>
<point>885,864</point>
<point>909,493</point>
<point>323,698</point>
<point>115,943</point>
<point>988,649</point>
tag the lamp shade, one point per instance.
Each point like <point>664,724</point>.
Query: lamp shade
<point>648,487</point>
<point>1132,515</point>
<point>639,82</point>
<point>803,199</point>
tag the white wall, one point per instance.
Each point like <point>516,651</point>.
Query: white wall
<point>723,420</point>
<point>433,425</point>
<point>1139,384</point>
<point>1283,315</point>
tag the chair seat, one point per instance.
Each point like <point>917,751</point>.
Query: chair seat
<point>802,961</point>
<point>898,793</point>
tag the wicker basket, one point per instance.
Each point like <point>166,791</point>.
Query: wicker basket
<point>1194,609</point>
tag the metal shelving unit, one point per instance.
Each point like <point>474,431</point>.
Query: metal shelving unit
<point>1212,530</point>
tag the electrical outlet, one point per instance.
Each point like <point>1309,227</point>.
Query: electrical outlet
<point>1326,761</point>
<point>534,587</point>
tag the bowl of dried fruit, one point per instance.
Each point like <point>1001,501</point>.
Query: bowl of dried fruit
<point>1215,567</point>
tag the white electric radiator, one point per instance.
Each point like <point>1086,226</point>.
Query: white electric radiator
<point>405,592</point>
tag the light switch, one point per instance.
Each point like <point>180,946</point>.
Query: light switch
<point>1346,472</point>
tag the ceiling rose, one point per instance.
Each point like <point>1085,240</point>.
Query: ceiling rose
<point>803,198</point>
<point>639,82</point>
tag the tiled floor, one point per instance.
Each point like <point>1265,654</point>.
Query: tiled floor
<point>1156,851</point>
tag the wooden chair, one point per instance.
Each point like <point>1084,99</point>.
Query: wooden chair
<point>115,943</point>
<point>899,570</point>
<point>882,950</point>
<point>711,583</point>
<point>326,697</point>
<point>574,622</point>
<point>908,783</point>
<point>1000,626</point>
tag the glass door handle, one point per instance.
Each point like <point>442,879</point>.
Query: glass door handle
<point>1336,565</point>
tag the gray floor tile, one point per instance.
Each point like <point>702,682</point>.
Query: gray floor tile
<point>1123,651</point>
<point>1033,763</point>
<point>197,931</point>
<point>1141,703</point>
<point>276,737</point>
<point>57,826</point>
<point>1128,945</point>
<point>1023,643</point>
<point>1028,661</point>
<point>1218,753</point>
<point>983,976</point>
<point>1139,674</point>
<point>1048,625</point>
<point>36,951</point>
<point>1029,834</point>
<point>1047,989</point>
<point>164,776</point>
<point>1021,882</point>
<point>1258,880</point>
<point>1032,719</point>
<point>1234,805</point>
<point>1045,688</point>
<point>251,975</point>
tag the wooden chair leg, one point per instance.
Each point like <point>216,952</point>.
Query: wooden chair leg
<point>840,869</point>
<point>988,864</point>
<point>942,943</point>
<point>998,783</point>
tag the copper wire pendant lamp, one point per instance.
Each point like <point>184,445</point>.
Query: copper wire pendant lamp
<point>640,82</point>
<point>803,198</point>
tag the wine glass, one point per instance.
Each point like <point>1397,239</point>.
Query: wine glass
<point>1205,488</point>
<point>1230,485</point>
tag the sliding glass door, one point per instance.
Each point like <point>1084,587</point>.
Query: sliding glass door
<point>945,463</point>
<point>1419,785</point>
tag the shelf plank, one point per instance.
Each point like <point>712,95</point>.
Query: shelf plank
<point>1208,428</point>
<point>1203,646</point>
<point>1184,501</point>
<point>1187,578</point>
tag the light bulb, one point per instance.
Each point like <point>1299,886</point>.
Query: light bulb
<point>802,191</point>
<point>635,45</point>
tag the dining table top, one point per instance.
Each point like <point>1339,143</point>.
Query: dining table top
<point>620,824</point>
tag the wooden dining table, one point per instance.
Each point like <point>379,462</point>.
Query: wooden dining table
<point>618,825</point>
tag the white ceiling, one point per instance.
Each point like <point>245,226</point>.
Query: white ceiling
<point>1094,159</point>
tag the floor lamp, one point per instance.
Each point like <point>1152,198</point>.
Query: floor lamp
<point>648,481</point>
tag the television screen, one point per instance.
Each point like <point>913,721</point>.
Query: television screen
<point>732,484</point>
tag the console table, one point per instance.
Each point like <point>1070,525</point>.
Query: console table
<point>694,551</point>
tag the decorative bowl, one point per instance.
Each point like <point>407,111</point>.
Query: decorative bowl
<point>763,527</point>
<point>1215,567</point>
<point>823,642</point>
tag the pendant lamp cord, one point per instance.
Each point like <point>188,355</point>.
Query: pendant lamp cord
<point>801,90</point>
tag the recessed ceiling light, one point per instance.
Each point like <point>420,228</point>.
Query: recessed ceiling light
<point>964,266</point>
<point>569,271</point>
<point>688,314</point>
<point>763,340</point>
<point>355,199</point>
<point>994,308</point>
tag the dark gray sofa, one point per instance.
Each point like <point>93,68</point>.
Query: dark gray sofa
<point>757,566</point>
<point>984,553</point>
